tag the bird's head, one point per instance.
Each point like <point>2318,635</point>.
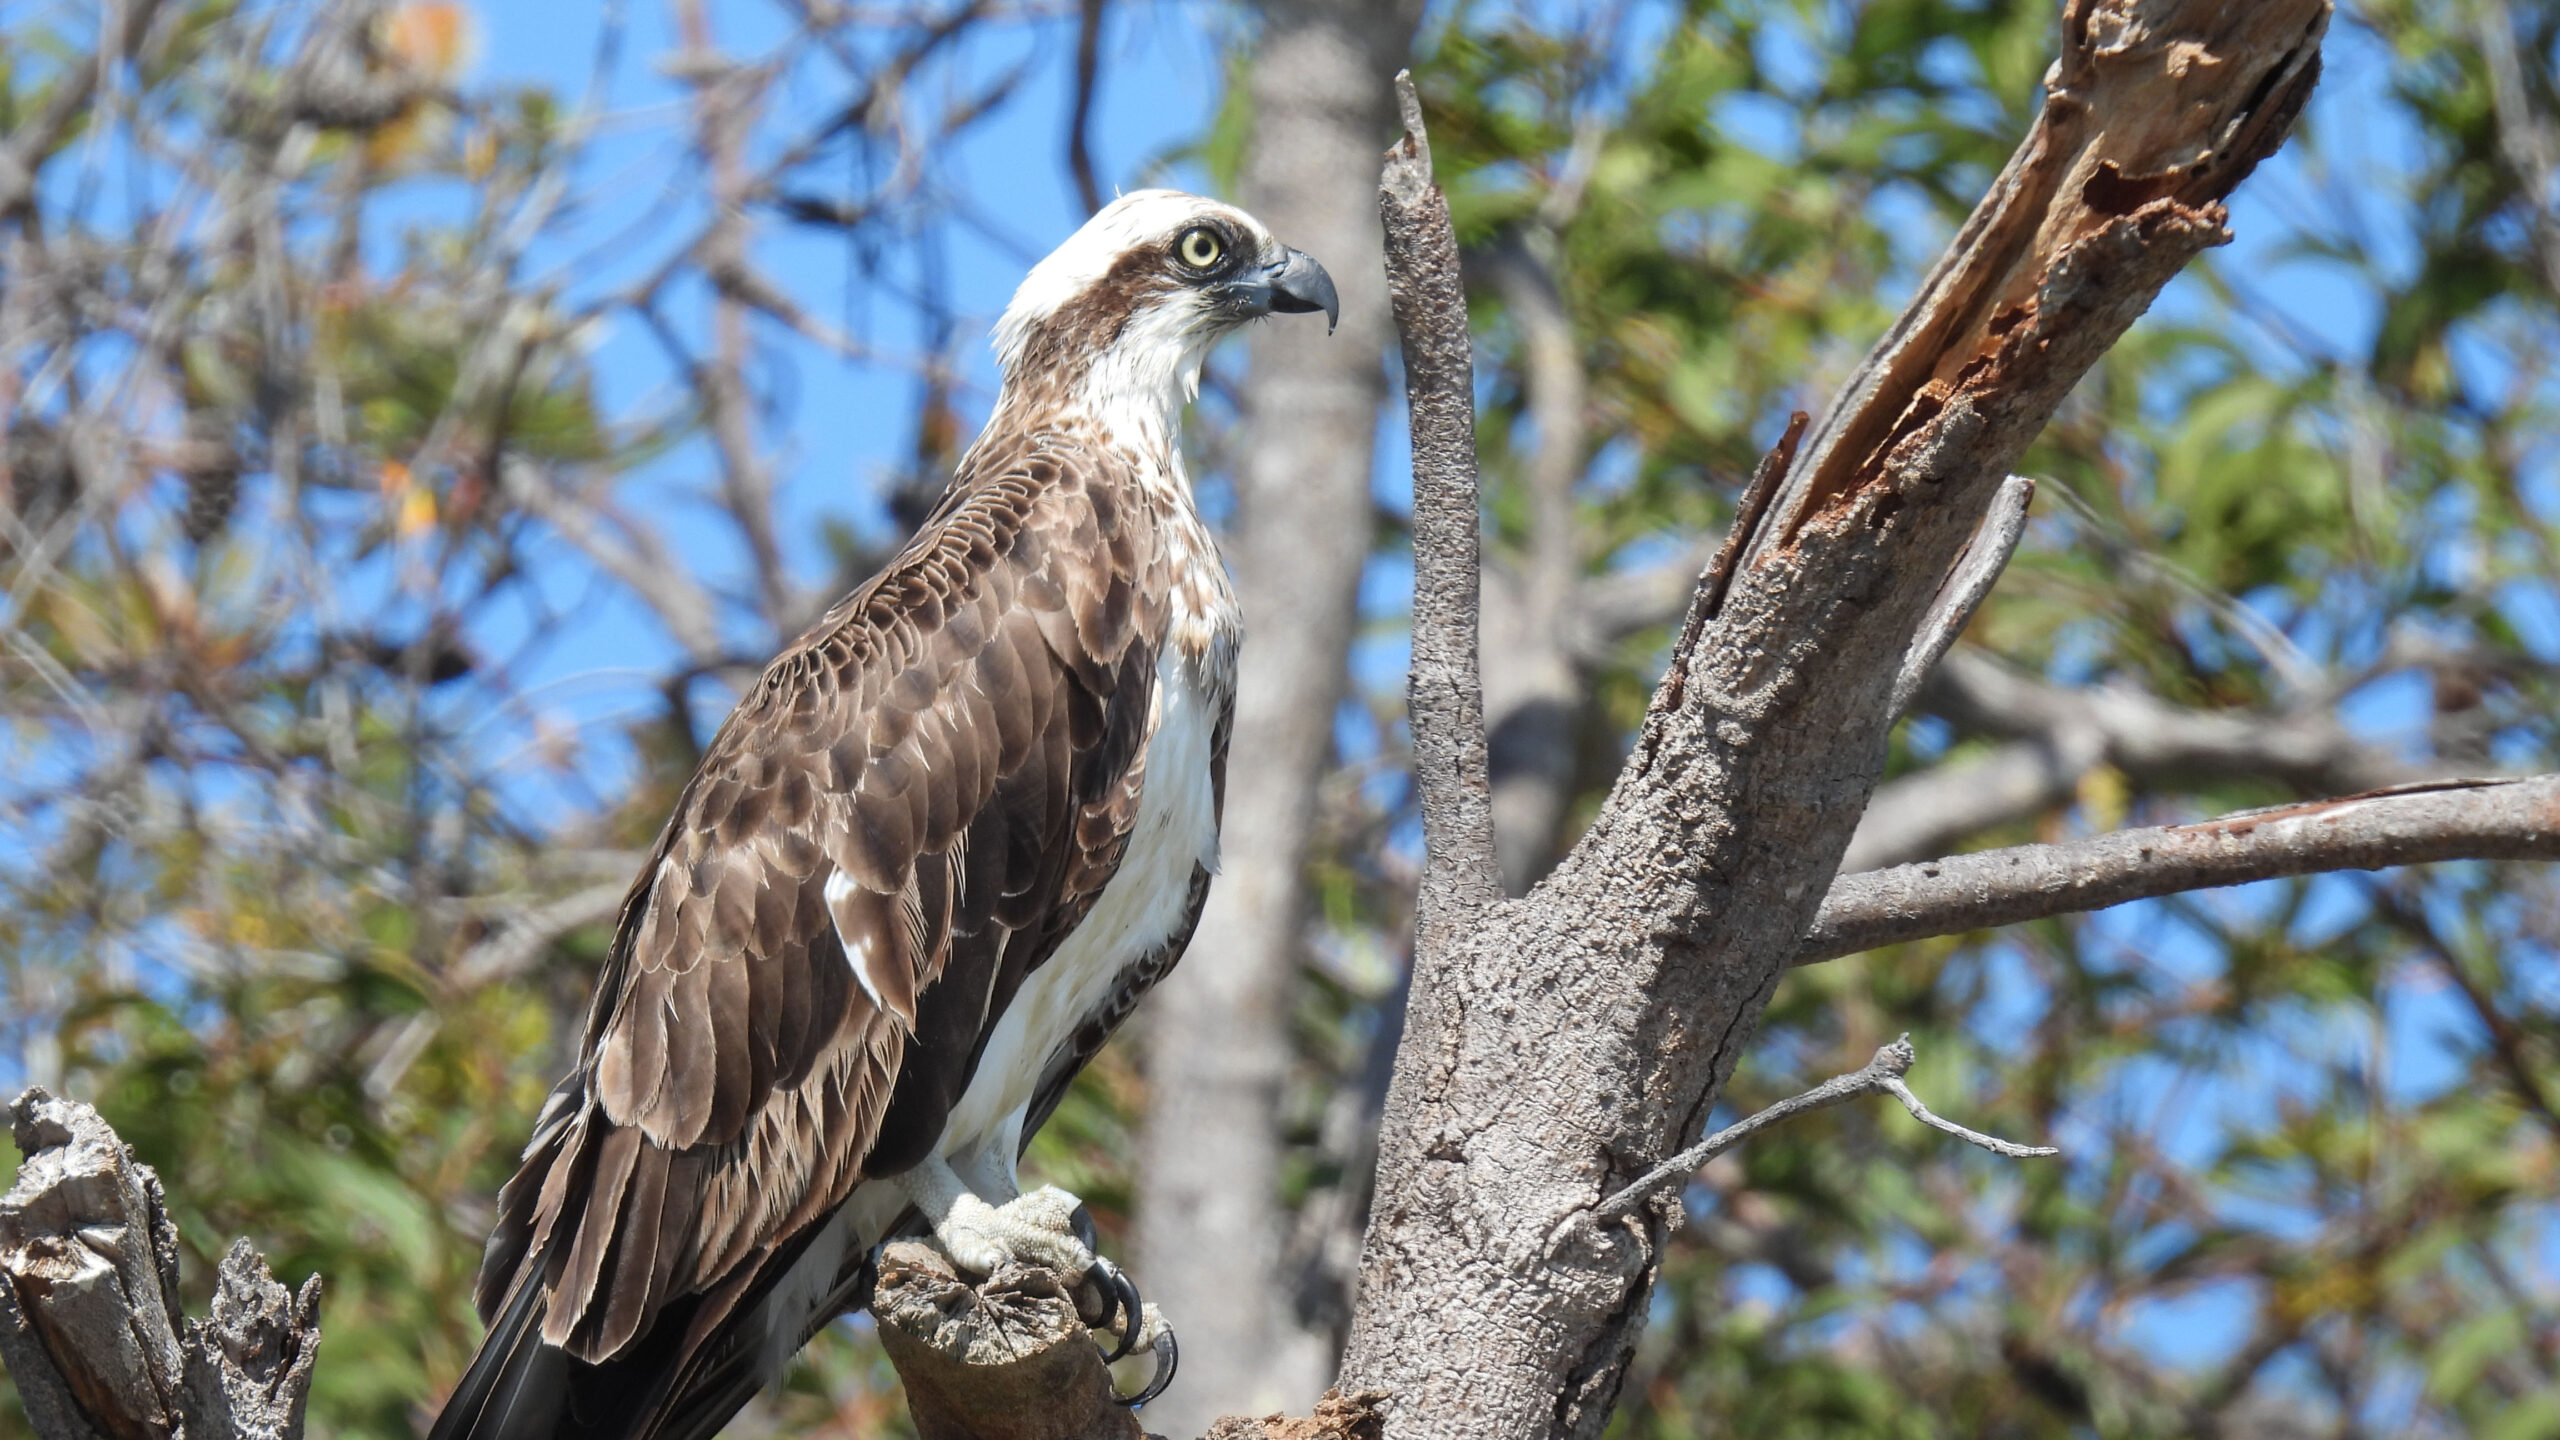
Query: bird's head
<point>1124,313</point>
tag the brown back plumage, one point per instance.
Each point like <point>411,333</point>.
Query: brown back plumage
<point>959,745</point>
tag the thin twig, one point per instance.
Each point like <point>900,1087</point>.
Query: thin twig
<point>1966,588</point>
<point>1080,119</point>
<point>1880,1076</point>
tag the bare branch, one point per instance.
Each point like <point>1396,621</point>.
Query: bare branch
<point>524,937</point>
<point>1593,1019</point>
<point>2062,734</point>
<point>2411,825</point>
<point>1007,1359</point>
<point>1010,1358</point>
<point>1965,589</point>
<point>1439,373</point>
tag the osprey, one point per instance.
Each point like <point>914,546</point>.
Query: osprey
<point>932,859</point>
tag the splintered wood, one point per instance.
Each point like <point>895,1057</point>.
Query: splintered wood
<point>2152,114</point>
<point>90,1323</point>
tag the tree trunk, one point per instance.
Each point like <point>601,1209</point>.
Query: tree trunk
<point>1209,1220</point>
<point>1560,1045</point>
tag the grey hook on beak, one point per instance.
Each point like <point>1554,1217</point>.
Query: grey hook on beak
<point>1299,285</point>
<point>1294,285</point>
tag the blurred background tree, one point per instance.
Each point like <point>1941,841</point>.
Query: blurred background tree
<point>419,417</point>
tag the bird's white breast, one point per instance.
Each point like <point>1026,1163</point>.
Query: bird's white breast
<point>1146,899</point>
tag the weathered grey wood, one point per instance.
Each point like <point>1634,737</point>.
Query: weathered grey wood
<point>91,1326</point>
<point>1561,1044</point>
<point>1446,691</point>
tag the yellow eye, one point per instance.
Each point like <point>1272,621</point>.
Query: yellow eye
<point>1199,247</point>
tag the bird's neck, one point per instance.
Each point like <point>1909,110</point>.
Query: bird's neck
<point>1130,394</point>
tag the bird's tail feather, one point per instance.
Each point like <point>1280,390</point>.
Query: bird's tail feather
<point>516,1385</point>
<point>681,1380</point>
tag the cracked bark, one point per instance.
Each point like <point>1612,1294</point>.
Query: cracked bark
<point>1008,1358</point>
<point>1005,1359</point>
<point>1209,1223</point>
<point>1526,1092</point>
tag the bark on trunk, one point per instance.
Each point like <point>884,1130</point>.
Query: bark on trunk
<point>1209,1220</point>
<point>1559,1045</point>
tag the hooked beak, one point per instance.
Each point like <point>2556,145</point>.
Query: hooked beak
<point>1295,285</point>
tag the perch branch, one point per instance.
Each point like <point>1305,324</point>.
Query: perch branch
<point>2410,825</point>
<point>2057,736</point>
<point>1010,1358</point>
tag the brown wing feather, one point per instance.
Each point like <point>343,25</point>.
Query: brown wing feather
<point>956,745</point>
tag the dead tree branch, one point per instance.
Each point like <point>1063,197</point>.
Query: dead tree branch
<point>2057,735</point>
<point>1560,1043</point>
<point>90,1322</point>
<point>2411,825</point>
<point>1439,375</point>
<point>1007,1359</point>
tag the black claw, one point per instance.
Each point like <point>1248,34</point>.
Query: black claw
<point>1096,1288</point>
<point>1132,1309</point>
<point>1168,1360</point>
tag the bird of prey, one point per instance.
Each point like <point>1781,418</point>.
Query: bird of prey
<point>931,860</point>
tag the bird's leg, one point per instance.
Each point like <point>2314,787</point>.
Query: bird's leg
<point>987,1169</point>
<point>1038,1228</point>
